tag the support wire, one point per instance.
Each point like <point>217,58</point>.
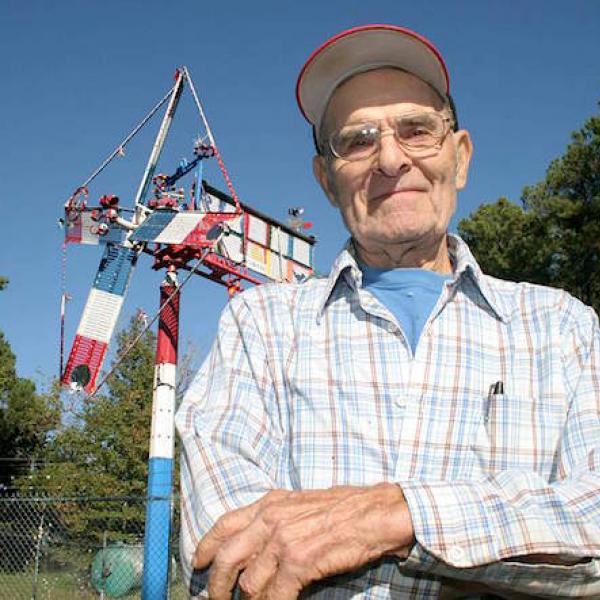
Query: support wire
<point>213,142</point>
<point>138,337</point>
<point>118,150</point>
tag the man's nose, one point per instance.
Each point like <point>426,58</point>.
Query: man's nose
<point>391,158</point>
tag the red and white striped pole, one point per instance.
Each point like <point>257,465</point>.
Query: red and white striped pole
<point>162,446</point>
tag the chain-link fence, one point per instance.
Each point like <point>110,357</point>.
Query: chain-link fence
<point>77,548</point>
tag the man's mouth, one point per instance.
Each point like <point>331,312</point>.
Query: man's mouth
<point>404,192</point>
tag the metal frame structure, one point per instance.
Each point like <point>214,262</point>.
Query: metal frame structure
<point>213,235</point>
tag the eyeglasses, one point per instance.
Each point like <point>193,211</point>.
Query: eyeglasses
<point>418,134</point>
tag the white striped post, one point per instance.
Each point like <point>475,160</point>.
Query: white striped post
<point>155,580</point>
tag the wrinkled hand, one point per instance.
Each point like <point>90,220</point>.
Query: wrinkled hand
<point>286,540</point>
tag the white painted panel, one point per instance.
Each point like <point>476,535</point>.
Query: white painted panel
<point>162,435</point>
<point>280,241</point>
<point>257,230</point>
<point>179,228</point>
<point>232,247</point>
<point>100,315</point>
<point>87,223</point>
<point>277,266</point>
<point>214,204</point>
<point>301,251</point>
<point>236,224</point>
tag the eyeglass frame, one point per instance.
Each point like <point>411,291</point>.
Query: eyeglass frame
<point>450,124</point>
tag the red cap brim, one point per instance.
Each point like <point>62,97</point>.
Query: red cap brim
<point>362,49</point>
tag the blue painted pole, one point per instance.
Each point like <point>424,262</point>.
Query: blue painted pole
<point>198,190</point>
<point>155,581</point>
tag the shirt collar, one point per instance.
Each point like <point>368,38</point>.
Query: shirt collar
<point>345,267</point>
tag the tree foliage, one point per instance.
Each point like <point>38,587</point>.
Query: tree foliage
<point>553,238</point>
<point>27,419</point>
<point>103,449</point>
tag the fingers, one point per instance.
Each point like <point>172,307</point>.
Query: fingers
<point>258,573</point>
<point>222,581</point>
<point>284,587</point>
<point>251,539</point>
<point>229,525</point>
<point>232,558</point>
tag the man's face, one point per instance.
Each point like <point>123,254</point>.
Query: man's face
<point>391,198</point>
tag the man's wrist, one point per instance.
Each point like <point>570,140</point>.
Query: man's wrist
<point>397,533</point>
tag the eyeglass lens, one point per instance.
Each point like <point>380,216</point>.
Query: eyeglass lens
<point>415,132</point>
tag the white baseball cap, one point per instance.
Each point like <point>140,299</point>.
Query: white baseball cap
<point>363,49</point>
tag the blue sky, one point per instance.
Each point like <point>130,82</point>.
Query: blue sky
<point>78,75</point>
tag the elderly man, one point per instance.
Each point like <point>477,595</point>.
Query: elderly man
<point>407,427</point>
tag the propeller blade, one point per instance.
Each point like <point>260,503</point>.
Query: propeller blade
<point>99,317</point>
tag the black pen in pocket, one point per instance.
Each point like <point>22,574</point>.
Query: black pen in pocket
<point>496,389</point>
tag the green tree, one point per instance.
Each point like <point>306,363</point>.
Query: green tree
<point>554,237</point>
<point>27,419</point>
<point>103,448</point>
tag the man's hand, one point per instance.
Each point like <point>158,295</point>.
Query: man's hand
<point>286,540</point>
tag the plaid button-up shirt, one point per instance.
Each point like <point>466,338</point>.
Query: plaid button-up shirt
<point>314,385</point>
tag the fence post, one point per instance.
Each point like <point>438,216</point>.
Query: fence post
<point>38,546</point>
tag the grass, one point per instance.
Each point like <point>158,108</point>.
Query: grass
<point>63,586</point>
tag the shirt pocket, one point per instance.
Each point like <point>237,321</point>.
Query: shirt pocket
<point>517,432</point>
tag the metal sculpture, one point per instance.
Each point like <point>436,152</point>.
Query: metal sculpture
<point>208,233</point>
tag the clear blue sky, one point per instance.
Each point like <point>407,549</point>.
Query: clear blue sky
<point>78,75</point>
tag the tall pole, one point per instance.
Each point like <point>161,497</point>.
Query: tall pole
<point>159,142</point>
<point>155,580</point>
<point>63,301</point>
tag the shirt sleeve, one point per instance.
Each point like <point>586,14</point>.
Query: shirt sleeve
<point>229,431</point>
<point>484,530</point>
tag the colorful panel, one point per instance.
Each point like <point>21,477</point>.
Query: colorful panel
<point>256,258</point>
<point>179,228</point>
<point>115,269</point>
<point>115,235</point>
<point>276,266</point>
<point>301,251</point>
<point>297,273</point>
<point>280,241</point>
<point>100,315</point>
<point>151,228</point>
<point>257,230</point>
<point>214,204</point>
<point>83,230</point>
<point>199,236</point>
<point>78,232</point>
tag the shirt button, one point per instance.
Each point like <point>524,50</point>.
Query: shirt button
<point>410,294</point>
<point>456,554</point>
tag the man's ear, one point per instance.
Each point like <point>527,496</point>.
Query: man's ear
<point>321,173</point>
<point>464,151</point>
